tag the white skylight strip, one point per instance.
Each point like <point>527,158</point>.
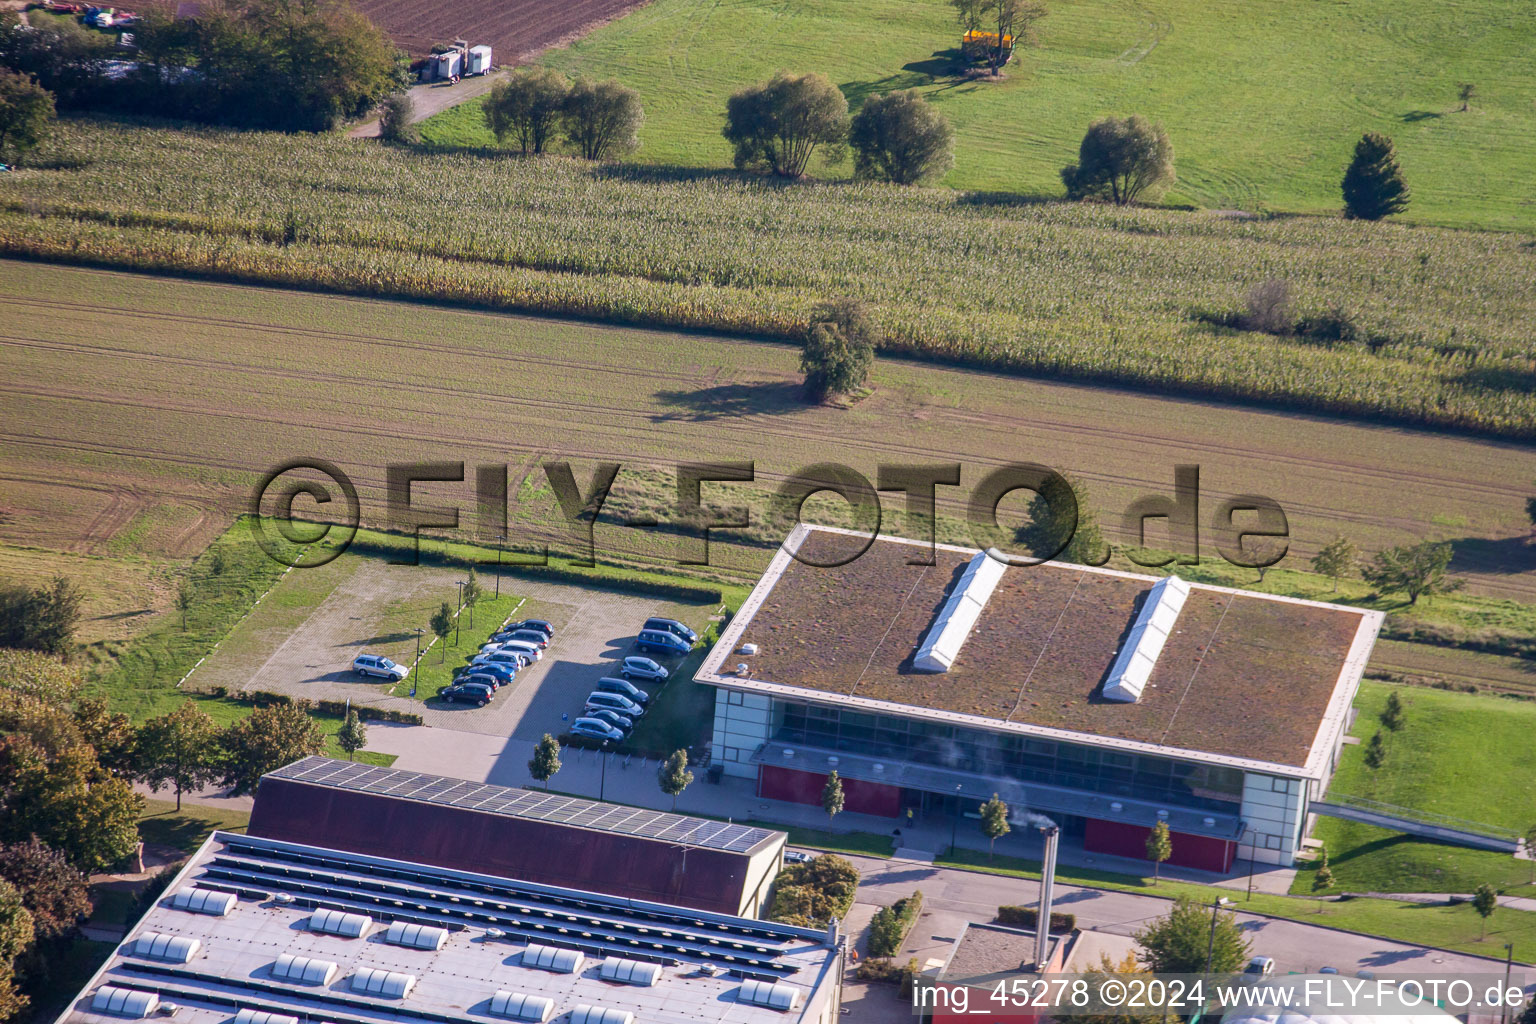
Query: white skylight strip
<point>1154,624</point>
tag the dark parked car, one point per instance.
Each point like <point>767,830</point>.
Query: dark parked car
<point>672,626</point>
<point>624,688</point>
<point>501,670</point>
<point>541,625</point>
<point>661,641</point>
<point>595,729</point>
<point>620,722</point>
<point>466,693</point>
<point>642,668</point>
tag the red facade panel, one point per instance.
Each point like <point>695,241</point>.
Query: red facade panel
<point>1189,851</point>
<point>805,788</point>
<point>466,840</point>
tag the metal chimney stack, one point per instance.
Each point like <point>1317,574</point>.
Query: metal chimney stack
<point>1047,884</point>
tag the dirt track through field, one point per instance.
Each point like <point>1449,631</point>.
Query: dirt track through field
<point>160,380</point>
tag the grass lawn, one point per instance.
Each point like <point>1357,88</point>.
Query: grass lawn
<point>863,844</point>
<point>448,657</point>
<point>186,829</point>
<point>1263,105</point>
<point>1457,754</point>
<point>1448,927</point>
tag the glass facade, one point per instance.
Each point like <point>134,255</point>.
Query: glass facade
<point>1050,762</point>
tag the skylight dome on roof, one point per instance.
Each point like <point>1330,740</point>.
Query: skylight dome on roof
<point>338,922</point>
<point>250,1016</point>
<point>630,972</point>
<point>371,981</point>
<point>203,901</point>
<point>416,936</point>
<point>521,1007</point>
<point>941,646</point>
<point>177,949</point>
<point>303,970</point>
<point>552,958</point>
<point>584,1014</point>
<point>1138,656</point>
<point>124,1002</point>
<point>773,994</point>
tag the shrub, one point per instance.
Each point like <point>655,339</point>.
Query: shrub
<point>1029,917</point>
<point>1373,185</point>
<point>1121,159</point>
<point>900,138</point>
<point>812,894</point>
<point>889,927</point>
<point>395,118</point>
<point>779,124</point>
<point>1269,307</point>
<point>25,110</point>
<point>839,348</point>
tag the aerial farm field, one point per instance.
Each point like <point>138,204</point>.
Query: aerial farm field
<point>1262,103</point>
<point>1125,296</point>
<point>514,28</point>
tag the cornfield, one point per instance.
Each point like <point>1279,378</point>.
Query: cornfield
<point>1105,294</point>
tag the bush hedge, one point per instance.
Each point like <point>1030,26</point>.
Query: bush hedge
<point>1029,917</point>
<point>889,927</point>
<point>812,894</point>
<point>337,708</point>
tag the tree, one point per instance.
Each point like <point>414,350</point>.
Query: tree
<point>527,107</point>
<point>1127,969</point>
<point>1012,20</point>
<point>545,761</point>
<point>185,600</point>
<point>472,593</point>
<point>901,138</point>
<point>40,619</point>
<point>1122,160</point>
<point>1323,879</point>
<point>1373,185</point>
<point>1177,943</point>
<point>1528,1015</point>
<point>1530,850</point>
<point>779,124</point>
<point>832,796</point>
<point>1485,901</point>
<point>1375,751</point>
<point>270,738</point>
<point>26,109</point>
<point>353,735</point>
<point>1050,527</point>
<point>602,119</point>
<point>674,775</point>
<point>1464,92</point>
<point>1419,570</point>
<point>442,625</point>
<point>839,348</point>
<point>1159,847</point>
<point>994,822</point>
<point>180,749</point>
<point>395,118</point>
<point>1392,713</point>
<point>55,893</point>
<point>1269,307</point>
<point>111,734</point>
<point>812,894</point>
<point>16,936</point>
<point>63,55</point>
<point>1337,558</point>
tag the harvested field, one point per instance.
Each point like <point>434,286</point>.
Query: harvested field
<point>516,29</point>
<point>195,389</point>
<point>123,596</point>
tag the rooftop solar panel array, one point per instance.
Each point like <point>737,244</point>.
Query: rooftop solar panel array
<point>523,803</point>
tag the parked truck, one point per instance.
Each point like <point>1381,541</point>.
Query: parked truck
<point>458,60</point>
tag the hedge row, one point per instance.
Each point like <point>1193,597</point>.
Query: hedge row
<point>1029,917</point>
<point>338,708</point>
<point>889,927</point>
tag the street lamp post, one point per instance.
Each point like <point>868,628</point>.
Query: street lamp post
<point>415,664</point>
<point>1509,960</point>
<point>954,823</point>
<point>1210,949</point>
<point>458,614</point>
<point>1253,854</point>
<point>602,779</point>
<point>501,542</point>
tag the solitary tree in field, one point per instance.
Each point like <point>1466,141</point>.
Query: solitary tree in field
<point>1392,713</point>
<point>901,138</point>
<point>180,749</point>
<point>545,761</point>
<point>353,734</point>
<point>184,601</point>
<point>1373,185</point>
<point>602,119</point>
<point>1375,751</point>
<point>1050,526</point>
<point>26,109</point>
<point>994,822</point>
<point>1337,558</point>
<point>1122,160</point>
<point>1485,901</point>
<point>442,625</point>
<point>838,349</point>
<point>1419,570</point>
<point>674,775</point>
<point>1465,91</point>
<point>779,124</point>
<point>832,796</point>
<point>395,118</point>
<point>1009,21</point>
<point>1159,847</point>
<point>527,107</point>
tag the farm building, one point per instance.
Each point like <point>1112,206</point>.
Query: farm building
<point>1108,701</point>
<point>519,833</point>
<point>265,932</point>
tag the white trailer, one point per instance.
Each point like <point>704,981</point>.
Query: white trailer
<point>479,62</point>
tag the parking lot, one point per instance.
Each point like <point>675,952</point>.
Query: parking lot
<point>595,630</point>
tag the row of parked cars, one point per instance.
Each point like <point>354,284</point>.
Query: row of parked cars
<point>612,709</point>
<point>515,646</point>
